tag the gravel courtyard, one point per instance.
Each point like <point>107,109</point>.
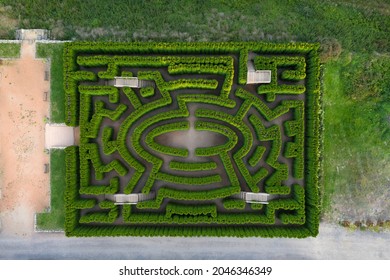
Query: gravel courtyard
<point>24,188</point>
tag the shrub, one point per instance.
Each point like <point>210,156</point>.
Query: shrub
<point>147,92</point>
<point>298,213</point>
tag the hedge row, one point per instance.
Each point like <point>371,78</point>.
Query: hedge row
<point>243,66</point>
<point>299,217</point>
<point>147,92</point>
<point>182,112</point>
<point>218,128</point>
<point>132,96</point>
<point>273,184</point>
<point>109,145</point>
<point>102,217</point>
<point>261,107</point>
<point>71,187</point>
<point>296,149</point>
<point>213,65</point>
<point>126,126</point>
<point>150,61</point>
<point>191,210</point>
<point>256,156</point>
<point>90,121</point>
<point>192,83</point>
<point>93,154</point>
<point>191,231</point>
<point>228,71</point>
<point>272,63</point>
<point>230,203</point>
<point>238,156</point>
<point>166,192</point>
<point>312,148</point>
<point>112,188</point>
<point>186,180</point>
<point>192,166</point>
<point>150,140</point>
<point>75,49</point>
<point>289,211</point>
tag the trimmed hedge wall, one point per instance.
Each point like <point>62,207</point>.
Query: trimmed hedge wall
<point>191,213</point>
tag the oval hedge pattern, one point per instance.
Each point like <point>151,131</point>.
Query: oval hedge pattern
<point>260,138</point>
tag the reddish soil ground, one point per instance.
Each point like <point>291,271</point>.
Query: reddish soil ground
<point>24,188</point>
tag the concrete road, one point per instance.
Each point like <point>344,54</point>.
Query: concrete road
<point>333,242</point>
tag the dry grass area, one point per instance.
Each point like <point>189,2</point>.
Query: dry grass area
<point>24,186</point>
<point>7,23</point>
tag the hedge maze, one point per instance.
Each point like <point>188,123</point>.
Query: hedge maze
<point>191,140</point>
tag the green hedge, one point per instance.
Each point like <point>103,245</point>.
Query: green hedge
<point>192,166</point>
<point>300,210</point>
<point>192,210</point>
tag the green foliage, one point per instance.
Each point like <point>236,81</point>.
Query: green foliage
<point>147,92</point>
<point>204,180</point>
<point>54,52</point>
<point>102,217</point>
<point>72,185</point>
<point>180,152</point>
<point>357,26</point>
<point>192,166</point>
<point>125,143</point>
<point>233,204</point>
<point>54,220</point>
<point>194,210</point>
<point>166,192</point>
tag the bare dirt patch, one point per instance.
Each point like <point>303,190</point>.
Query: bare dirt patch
<point>23,184</point>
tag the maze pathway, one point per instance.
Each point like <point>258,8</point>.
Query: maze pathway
<point>173,138</point>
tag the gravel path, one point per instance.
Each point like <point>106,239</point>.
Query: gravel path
<point>333,242</point>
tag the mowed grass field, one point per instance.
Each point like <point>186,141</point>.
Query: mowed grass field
<point>354,35</point>
<point>356,139</point>
<point>57,96</point>
<point>9,50</point>
<point>55,218</point>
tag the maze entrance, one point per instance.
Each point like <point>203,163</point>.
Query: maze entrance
<point>174,140</point>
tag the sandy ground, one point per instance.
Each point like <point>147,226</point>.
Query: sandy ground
<point>24,186</point>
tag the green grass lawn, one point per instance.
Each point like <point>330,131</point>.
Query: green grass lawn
<point>57,96</point>
<point>356,139</point>
<point>54,220</point>
<point>9,50</point>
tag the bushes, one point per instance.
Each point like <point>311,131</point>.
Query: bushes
<point>192,166</point>
<point>272,63</point>
<point>298,213</point>
<point>102,217</point>
<point>149,140</point>
<point>295,150</point>
<point>147,92</point>
<point>204,180</point>
<point>192,210</point>
<point>256,156</point>
<point>72,185</point>
<point>166,192</point>
<point>224,130</point>
<point>233,204</point>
